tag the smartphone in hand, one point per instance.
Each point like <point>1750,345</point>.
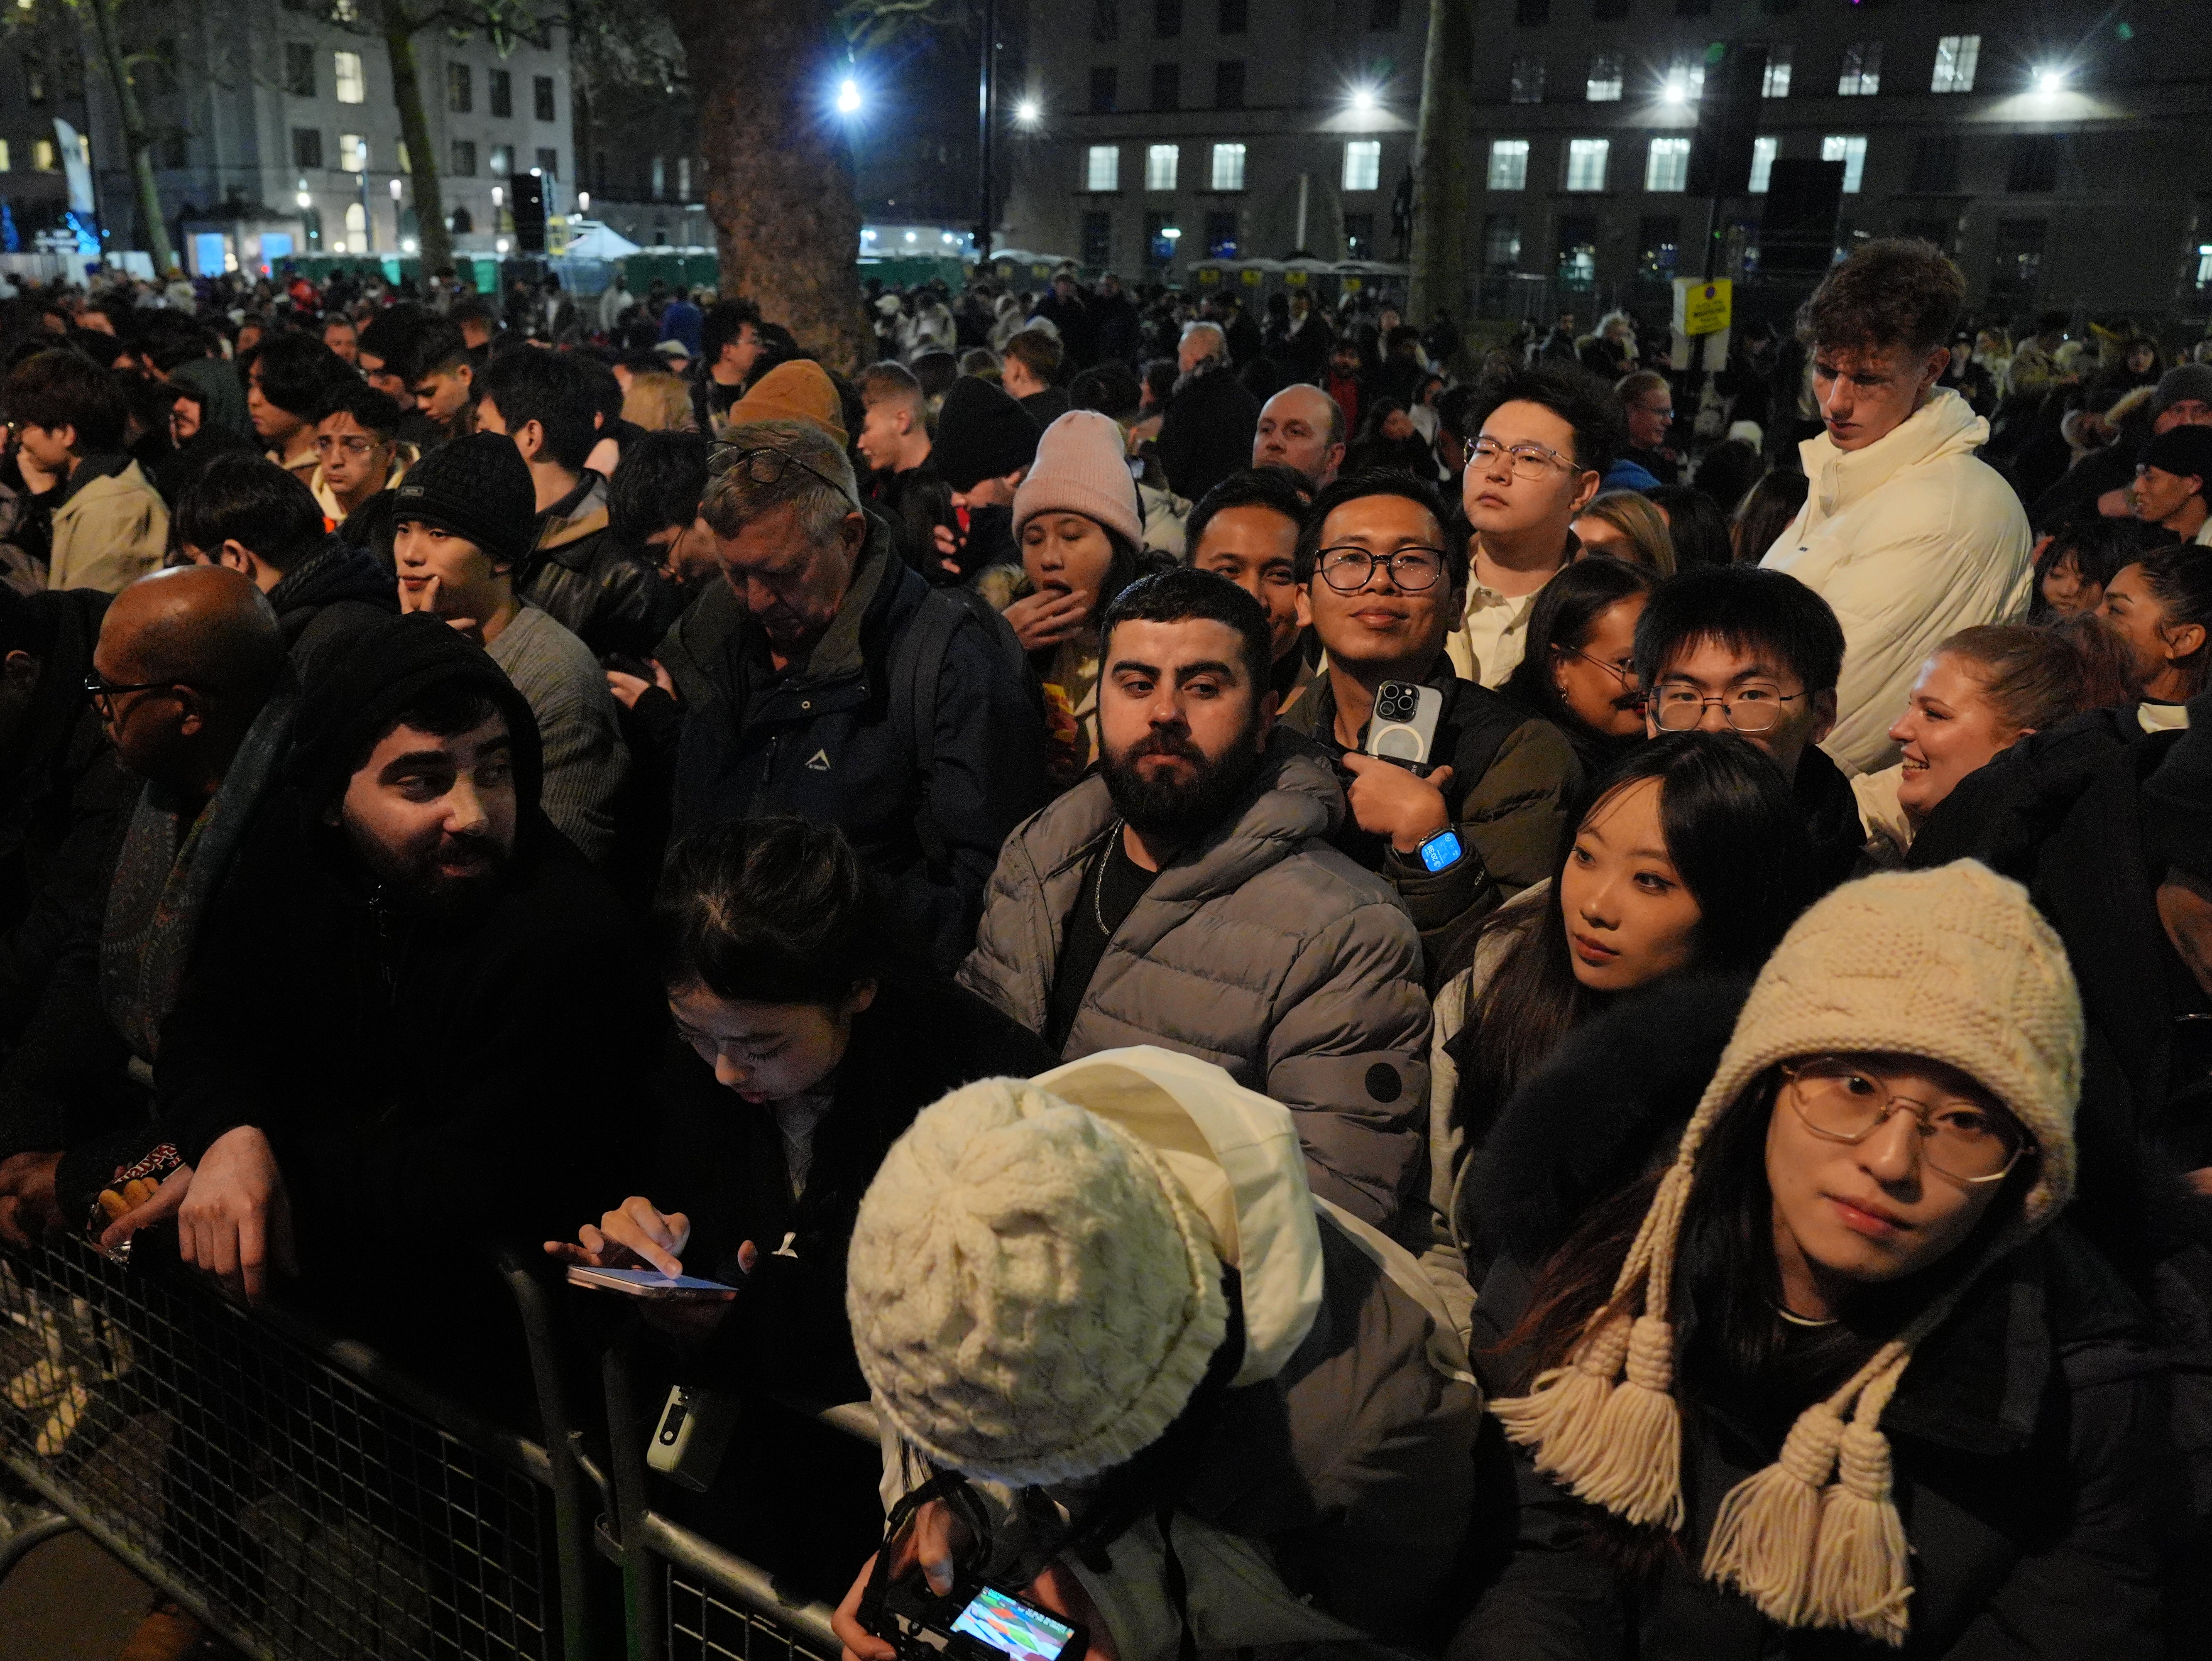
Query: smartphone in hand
<point>1403,728</point>
<point>650,1283</point>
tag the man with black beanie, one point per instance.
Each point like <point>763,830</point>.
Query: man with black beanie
<point>2174,478</point>
<point>985,444</point>
<point>450,1024</point>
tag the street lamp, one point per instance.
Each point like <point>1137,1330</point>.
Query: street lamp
<point>2050,80</point>
<point>1363,99</point>
<point>583,202</point>
<point>395,190</point>
<point>849,96</point>
<point>1028,114</point>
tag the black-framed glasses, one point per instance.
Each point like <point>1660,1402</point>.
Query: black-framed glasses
<point>352,444</point>
<point>765,464</point>
<point>102,690</point>
<point>1677,709</point>
<point>1349,569</point>
<point>1841,1103</point>
<point>1530,462</point>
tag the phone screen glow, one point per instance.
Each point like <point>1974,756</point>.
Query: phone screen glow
<point>1013,1629</point>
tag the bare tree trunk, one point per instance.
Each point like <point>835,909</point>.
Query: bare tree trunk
<point>399,28</point>
<point>1442,146</point>
<point>779,172</point>
<point>134,142</point>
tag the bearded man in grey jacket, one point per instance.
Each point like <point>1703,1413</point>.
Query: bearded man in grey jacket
<point>1186,896</point>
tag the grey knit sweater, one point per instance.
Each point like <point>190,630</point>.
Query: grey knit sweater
<point>578,720</point>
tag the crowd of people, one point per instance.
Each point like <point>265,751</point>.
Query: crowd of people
<point>1381,995</point>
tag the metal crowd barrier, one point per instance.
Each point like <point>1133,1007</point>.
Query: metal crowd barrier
<point>305,1499</point>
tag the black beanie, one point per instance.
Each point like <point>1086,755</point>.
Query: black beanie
<point>2184,452</point>
<point>2176,801</point>
<point>478,487</point>
<point>981,433</point>
<point>356,689</point>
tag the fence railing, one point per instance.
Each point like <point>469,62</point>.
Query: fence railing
<point>306,1499</point>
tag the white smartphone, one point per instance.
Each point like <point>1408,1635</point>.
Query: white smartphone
<point>649,1283</point>
<point>1403,727</point>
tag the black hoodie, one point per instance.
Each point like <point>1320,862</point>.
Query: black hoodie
<point>332,593</point>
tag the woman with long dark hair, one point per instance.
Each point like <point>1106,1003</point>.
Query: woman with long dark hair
<point>1692,854</point>
<point>1578,668</point>
<point>1825,1380</point>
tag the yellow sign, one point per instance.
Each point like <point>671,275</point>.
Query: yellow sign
<point>1703,308</point>
<point>1353,285</point>
<point>1294,279</point>
<point>1251,279</point>
<point>1207,277</point>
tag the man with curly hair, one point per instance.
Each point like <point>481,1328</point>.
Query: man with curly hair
<point>1906,534</point>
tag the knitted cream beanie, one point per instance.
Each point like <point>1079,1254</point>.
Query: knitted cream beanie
<point>1082,467</point>
<point>1953,965</point>
<point>1033,1298</point>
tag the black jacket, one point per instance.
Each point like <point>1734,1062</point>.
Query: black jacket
<point>65,801</point>
<point>1206,434</point>
<point>2033,1465</point>
<point>825,740</point>
<point>1824,794</point>
<point>592,587</point>
<point>330,594</point>
<point>721,1162</point>
<point>1120,330</point>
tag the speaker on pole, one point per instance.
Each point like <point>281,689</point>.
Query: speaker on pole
<point>1798,232</point>
<point>1728,119</point>
<point>529,195</point>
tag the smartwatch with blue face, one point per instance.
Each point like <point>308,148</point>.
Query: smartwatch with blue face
<point>1441,852</point>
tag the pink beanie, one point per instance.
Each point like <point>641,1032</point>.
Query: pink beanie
<point>1082,467</point>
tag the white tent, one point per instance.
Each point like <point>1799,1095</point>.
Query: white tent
<point>593,240</point>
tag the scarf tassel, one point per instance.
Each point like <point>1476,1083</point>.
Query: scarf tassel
<point>1560,1415</point>
<point>1638,1474</point>
<point>1765,1538</point>
<point>1862,1563</point>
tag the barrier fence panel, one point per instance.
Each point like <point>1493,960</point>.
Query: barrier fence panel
<point>293,1490</point>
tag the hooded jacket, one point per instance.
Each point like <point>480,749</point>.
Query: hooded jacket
<point>1207,433</point>
<point>2032,1467</point>
<point>65,800</point>
<point>1331,1499</point>
<point>826,740</point>
<point>335,592</point>
<point>110,529</point>
<point>1908,540</point>
<point>590,586</point>
<point>1260,948</point>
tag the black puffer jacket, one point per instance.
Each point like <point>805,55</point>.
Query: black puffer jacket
<point>592,586</point>
<point>333,593</point>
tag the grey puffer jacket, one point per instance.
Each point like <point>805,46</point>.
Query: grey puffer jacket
<point>1260,949</point>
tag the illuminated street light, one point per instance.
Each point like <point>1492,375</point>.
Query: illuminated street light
<point>304,199</point>
<point>395,190</point>
<point>849,96</point>
<point>1028,112</point>
<point>583,202</point>
<point>1364,99</point>
<point>2050,80</point>
<point>500,246</point>
<point>498,196</point>
<point>1171,234</point>
<point>407,244</point>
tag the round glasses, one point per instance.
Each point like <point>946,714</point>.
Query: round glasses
<point>1965,1141</point>
<point>1748,710</point>
<point>1623,673</point>
<point>1530,461</point>
<point>1348,570</point>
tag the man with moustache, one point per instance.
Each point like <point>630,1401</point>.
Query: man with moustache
<point>1189,897</point>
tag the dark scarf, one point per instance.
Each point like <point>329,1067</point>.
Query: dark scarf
<point>167,874</point>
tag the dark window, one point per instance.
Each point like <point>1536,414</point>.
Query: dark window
<point>460,92</point>
<point>299,70</point>
<point>464,158</point>
<point>1167,18</point>
<point>174,153</point>
<point>1609,11</point>
<point>1658,241</point>
<point>548,163</point>
<point>1229,84</point>
<point>1234,16</point>
<point>34,77</point>
<point>1159,247</point>
<point>1097,239</point>
<point>462,224</point>
<point>307,147</point>
<point>503,92</point>
<point>1528,86</point>
<point>1167,86</point>
<point>1383,14</point>
<point>1359,235</point>
<point>1532,12</point>
<point>1106,20</point>
<point>1577,262</point>
<point>1103,89</point>
<point>541,88</point>
<point>1692,8</point>
<point>1778,7</point>
<point>2034,164</point>
<point>1935,163</point>
<point>1937,231</point>
<point>2017,263</point>
<point>1221,234</point>
<point>1501,244</point>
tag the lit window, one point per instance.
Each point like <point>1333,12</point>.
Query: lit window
<point>1775,81</point>
<point>1668,166</point>
<point>352,85</point>
<point>1851,151</point>
<point>1955,56</point>
<point>353,153</point>
<point>3,155</point>
<point>1763,151</point>
<point>1586,163</point>
<point>1686,82</point>
<point>1363,164</point>
<point>2204,265</point>
<point>43,156</point>
<point>1509,164</point>
<point>357,217</point>
<point>1160,161</point>
<point>1102,167</point>
<point>1862,76</point>
<point>1605,78</point>
<point>1228,167</point>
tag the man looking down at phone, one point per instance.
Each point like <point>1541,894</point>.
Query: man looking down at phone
<point>1185,895</point>
<point>464,519</point>
<point>1242,1417</point>
<point>1479,817</point>
<point>451,1020</point>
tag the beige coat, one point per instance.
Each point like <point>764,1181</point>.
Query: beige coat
<point>109,534</point>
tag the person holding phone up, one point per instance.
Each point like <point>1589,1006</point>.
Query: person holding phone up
<point>1458,794</point>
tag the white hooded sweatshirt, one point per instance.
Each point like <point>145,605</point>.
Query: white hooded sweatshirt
<point>1909,540</point>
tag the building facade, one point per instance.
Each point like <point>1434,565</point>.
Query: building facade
<point>2058,152</point>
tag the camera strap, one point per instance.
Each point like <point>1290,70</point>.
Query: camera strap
<point>1178,1586</point>
<point>949,1486</point>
